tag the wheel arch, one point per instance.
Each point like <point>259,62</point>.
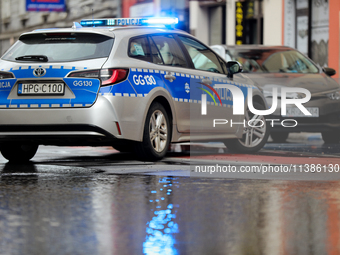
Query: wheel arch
<point>146,149</point>
<point>163,101</point>
<point>161,96</point>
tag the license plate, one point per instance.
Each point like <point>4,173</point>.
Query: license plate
<point>56,88</point>
<point>295,112</point>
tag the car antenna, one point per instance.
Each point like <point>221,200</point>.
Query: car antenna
<point>92,18</point>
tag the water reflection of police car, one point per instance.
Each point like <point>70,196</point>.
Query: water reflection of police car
<point>133,87</point>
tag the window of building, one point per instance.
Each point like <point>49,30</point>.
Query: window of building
<point>306,28</point>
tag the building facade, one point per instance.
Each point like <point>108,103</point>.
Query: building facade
<point>158,8</point>
<point>311,26</point>
<point>238,22</point>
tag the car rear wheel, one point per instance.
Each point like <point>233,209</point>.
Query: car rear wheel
<point>18,153</point>
<point>331,137</point>
<point>279,137</point>
<point>254,137</point>
<point>156,135</point>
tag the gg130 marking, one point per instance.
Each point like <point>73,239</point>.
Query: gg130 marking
<point>144,79</point>
<point>82,83</point>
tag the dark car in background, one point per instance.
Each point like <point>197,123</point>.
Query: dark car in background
<point>280,66</point>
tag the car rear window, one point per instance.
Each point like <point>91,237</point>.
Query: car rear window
<point>62,47</point>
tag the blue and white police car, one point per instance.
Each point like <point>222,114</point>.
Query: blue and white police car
<point>134,84</point>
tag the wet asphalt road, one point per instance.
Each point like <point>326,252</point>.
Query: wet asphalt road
<point>97,201</point>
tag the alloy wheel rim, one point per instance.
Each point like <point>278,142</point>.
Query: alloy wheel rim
<point>158,131</point>
<point>254,133</point>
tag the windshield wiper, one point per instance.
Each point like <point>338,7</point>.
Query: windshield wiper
<point>41,58</point>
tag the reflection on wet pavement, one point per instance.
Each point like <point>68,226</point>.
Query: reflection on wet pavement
<point>66,211</point>
<point>161,228</point>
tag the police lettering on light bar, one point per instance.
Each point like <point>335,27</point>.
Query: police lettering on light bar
<point>160,21</point>
<point>128,22</point>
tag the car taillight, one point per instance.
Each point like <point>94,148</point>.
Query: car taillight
<point>5,75</point>
<point>85,74</point>
<point>111,76</point>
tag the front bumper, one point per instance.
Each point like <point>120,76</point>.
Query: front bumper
<point>324,123</point>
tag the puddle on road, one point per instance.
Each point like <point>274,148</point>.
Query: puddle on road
<point>126,214</point>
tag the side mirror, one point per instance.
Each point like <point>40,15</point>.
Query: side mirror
<point>233,67</point>
<point>329,71</point>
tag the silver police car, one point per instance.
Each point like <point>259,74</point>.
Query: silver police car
<point>128,83</point>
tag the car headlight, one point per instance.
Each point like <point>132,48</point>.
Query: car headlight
<point>334,95</point>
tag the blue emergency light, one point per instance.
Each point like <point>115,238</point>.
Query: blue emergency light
<point>128,22</point>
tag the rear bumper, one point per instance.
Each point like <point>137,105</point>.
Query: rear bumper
<point>62,135</point>
<point>61,126</point>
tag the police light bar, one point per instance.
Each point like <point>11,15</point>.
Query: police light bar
<point>128,22</point>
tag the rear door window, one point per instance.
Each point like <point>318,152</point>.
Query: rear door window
<point>170,52</point>
<point>62,47</point>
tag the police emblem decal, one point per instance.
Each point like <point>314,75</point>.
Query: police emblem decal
<point>187,87</point>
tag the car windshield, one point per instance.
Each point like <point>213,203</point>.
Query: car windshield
<point>272,60</point>
<point>60,47</point>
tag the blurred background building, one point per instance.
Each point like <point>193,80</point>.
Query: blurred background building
<point>311,26</point>
<point>150,8</point>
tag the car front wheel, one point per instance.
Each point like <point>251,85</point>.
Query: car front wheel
<point>18,153</point>
<point>156,135</point>
<point>254,135</point>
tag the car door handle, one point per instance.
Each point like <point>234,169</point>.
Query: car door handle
<point>170,77</point>
<point>206,81</point>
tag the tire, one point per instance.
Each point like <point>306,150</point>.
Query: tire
<point>18,153</point>
<point>331,137</point>
<point>156,134</point>
<point>279,137</point>
<point>257,141</point>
